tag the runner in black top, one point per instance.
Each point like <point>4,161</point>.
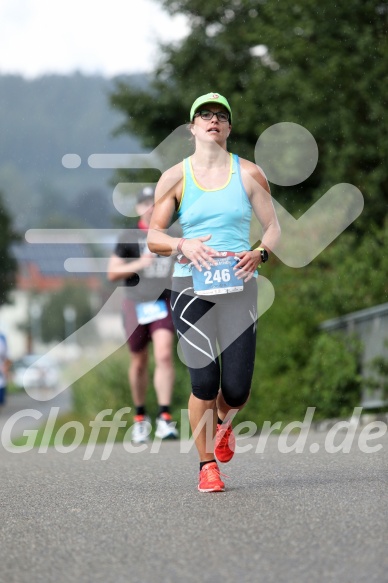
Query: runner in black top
<point>147,279</point>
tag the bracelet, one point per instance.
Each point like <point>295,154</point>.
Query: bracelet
<point>179,246</point>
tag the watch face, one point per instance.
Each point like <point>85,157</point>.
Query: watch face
<point>264,255</point>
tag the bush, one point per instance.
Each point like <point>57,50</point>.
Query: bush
<point>106,387</point>
<point>332,379</point>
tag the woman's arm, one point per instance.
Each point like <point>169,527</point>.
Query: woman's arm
<point>257,188</point>
<point>168,195</point>
<point>119,268</point>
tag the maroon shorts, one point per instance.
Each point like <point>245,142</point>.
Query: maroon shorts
<point>138,335</point>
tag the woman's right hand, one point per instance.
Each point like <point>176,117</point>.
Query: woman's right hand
<point>198,252</point>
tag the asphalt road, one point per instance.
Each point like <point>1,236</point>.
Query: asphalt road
<point>20,403</point>
<point>138,518</point>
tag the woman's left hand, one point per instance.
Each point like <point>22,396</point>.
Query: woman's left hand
<point>249,262</point>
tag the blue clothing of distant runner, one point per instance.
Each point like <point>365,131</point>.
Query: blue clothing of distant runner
<point>214,295</point>
<point>3,368</point>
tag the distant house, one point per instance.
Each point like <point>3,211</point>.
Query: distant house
<point>371,327</point>
<point>41,270</point>
<point>41,267</point>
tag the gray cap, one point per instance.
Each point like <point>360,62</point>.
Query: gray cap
<point>146,195</point>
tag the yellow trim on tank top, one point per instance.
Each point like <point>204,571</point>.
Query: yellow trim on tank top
<point>231,171</point>
<point>213,189</point>
<point>183,185</point>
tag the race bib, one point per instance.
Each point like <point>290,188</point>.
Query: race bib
<point>219,279</point>
<point>148,312</point>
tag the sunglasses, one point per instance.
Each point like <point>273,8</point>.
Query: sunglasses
<point>207,115</point>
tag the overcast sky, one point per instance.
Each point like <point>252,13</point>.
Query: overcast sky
<point>105,37</point>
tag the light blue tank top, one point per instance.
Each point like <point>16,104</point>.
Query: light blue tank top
<point>223,213</point>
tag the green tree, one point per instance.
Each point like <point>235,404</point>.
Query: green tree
<point>321,65</point>
<point>332,376</point>
<point>8,262</point>
<point>53,324</point>
<point>325,67</point>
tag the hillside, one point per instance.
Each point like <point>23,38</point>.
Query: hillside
<point>41,120</point>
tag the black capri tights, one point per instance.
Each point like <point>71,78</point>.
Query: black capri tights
<point>217,339</point>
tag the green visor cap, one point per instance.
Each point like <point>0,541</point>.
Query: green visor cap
<point>210,98</point>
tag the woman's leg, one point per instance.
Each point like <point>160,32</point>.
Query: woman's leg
<point>237,323</point>
<point>138,376</point>
<point>194,320</point>
<point>203,423</point>
<point>164,374</point>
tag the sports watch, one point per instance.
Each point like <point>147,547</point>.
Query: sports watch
<point>263,253</point>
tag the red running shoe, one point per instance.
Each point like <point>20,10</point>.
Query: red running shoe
<point>225,443</point>
<point>210,479</point>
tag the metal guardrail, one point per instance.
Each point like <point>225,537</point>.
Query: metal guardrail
<point>371,327</point>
